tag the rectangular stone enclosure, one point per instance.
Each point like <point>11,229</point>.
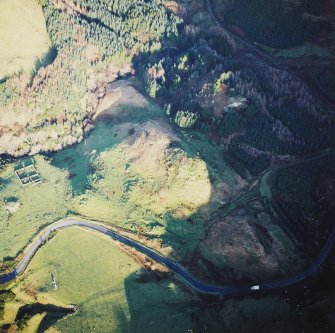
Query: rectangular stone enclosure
<point>27,172</point>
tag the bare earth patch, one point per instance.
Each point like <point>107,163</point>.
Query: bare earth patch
<point>119,94</point>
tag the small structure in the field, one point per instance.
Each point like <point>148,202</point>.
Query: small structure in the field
<point>54,282</point>
<point>27,172</point>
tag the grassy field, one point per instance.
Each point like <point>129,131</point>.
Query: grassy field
<point>35,205</point>
<point>304,50</point>
<point>23,36</point>
<point>139,175</point>
<point>103,282</point>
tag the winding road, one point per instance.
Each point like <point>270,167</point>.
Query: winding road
<point>172,265</point>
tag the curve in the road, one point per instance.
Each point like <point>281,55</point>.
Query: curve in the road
<point>172,265</point>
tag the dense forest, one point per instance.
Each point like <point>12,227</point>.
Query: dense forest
<point>275,23</point>
<point>116,27</point>
<point>253,113</point>
<point>299,193</point>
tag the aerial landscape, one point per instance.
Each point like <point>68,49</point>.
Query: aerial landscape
<point>167,166</point>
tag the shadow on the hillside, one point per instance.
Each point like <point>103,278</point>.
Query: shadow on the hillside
<point>47,59</point>
<point>159,304</point>
<point>53,314</point>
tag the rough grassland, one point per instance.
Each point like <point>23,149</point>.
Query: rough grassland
<point>133,170</point>
<point>304,50</point>
<point>130,174</point>
<point>94,274</point>
<point>23,36</point>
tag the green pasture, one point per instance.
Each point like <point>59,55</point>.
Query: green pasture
<point>92,273</point>
<point>36,205</point>
<point>23,36</point>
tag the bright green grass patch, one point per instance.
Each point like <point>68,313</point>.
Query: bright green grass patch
<point>304,50</point>
<point>218,169</point>
<point>138,175</point>
<point>35,205</point>
<point>23,36</point>
<point>135,172</point>
<point>103,282</point>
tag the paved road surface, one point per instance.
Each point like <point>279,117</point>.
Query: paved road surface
<point>172,265</point>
